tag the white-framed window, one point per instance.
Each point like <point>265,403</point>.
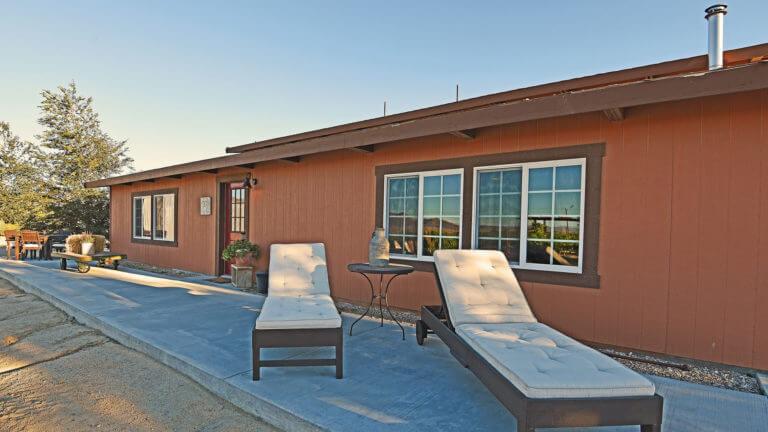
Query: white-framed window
<point>142,217</point>
<point>154,216</point>
<point>532,212</point>
<point>422,212</point>
<point>164,217</point>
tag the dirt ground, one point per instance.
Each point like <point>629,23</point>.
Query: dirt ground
<point>56,374</point>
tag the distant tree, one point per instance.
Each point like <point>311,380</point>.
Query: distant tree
<point>76,150</point>
<point>23,191</point>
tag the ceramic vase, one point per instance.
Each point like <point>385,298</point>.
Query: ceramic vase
<point>378,249</point>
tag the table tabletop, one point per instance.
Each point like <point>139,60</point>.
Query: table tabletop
<point>388,269</point>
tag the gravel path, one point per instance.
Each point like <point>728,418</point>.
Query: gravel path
<point>56,374</point>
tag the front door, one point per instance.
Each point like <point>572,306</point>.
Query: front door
<point>236,216</point>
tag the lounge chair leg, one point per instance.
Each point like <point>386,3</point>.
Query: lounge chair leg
<point>340,354</point>
<point>650,428</point>
<point>256,357</point>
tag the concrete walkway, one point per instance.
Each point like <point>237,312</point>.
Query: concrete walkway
<point>389,384</point>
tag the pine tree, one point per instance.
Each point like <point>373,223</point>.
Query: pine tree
<point>76,150</point>
<point>23,197</point>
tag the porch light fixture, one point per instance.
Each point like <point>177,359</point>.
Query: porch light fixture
<point>248,183</point>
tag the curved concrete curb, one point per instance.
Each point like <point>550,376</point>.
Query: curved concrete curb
<point>259,407</point>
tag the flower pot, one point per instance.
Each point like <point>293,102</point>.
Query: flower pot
<point>244,260</point>
<point>87,248</point>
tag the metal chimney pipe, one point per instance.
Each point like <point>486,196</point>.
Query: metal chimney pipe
<point>715,15</point>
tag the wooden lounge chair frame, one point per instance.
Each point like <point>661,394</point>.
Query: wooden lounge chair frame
<point>294,338</point>
<point>532,413</point>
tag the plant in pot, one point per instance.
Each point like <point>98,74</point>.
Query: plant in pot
<point>240,252</point>
<point>86,244</point>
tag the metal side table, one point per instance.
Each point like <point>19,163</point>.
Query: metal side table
<point>392,269</point>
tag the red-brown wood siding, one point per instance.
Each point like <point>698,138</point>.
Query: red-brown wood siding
<point>683,223</point>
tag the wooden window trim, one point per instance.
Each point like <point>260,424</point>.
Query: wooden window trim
<point>151,194</point>
<point>593,153</point>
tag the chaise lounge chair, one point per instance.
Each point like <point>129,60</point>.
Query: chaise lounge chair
<point>299,311</point>
<point>544,378</point>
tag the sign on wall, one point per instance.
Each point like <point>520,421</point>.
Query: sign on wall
<point>205,206</point>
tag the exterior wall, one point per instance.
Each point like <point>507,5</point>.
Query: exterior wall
<point>196,233</point>
<point>683,234</point>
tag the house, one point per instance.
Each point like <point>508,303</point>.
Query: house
<point>633,205</point>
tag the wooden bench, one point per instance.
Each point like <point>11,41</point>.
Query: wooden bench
<point>83,261</point>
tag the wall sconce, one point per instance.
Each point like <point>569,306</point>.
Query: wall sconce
<point>248,183</point>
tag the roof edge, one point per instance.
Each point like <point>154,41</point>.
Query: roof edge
<point>672,67</point>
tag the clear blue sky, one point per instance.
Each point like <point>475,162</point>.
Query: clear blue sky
<point>182,81</point>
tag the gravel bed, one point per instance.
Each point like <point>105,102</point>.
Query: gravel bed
<point>404,317</point>
<point>722,377</point>
<point>158,269</point>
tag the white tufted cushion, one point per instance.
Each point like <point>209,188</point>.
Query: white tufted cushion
<point>313,311</point>
<point>544,363</point>
<point>480,287</point>
<point>299,293</point>
<point>298,269</point>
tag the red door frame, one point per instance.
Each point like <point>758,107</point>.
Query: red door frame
<point>229,235</point>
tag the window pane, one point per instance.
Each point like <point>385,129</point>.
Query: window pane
<point>450,206</point>
<point>567,203</point>
<point>568,177</point>
<point>488,244</point>
<point>489,182</point>
<point>396,187</point>
<point>489,205</point>
<point>512,181</point>
<point>450,226</point>
<point>137,217</point>
<point>159,217</point>
<point>540,179</point>
<point>540,204</point>
<point>411,226</point>
<point>432,226</point>
<point>566,253</point>
<point>449,243</point>
<point>488,227</point>
<point>412,187</point>
<point>395,225</point>
<point>412,207</point>
<point>432,206</point>
<point>432,185</point>
<point>396,244</point>
<point>170,219</point>
<point>510,205</point>
<point>396,206</point>
<point>410,245</point>
<point>510,227</point>
<point>539,228</point>
<point>538,252</point>
<point>146,216</point>
<point>567,228</point>
<point>431,244</point>
<point>511,249</point>
<point>451,184</point>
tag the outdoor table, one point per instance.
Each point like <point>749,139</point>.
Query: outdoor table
<point>392,269</point>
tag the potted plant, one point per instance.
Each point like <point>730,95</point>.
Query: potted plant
<point>240,252</point>
<point>86,244</point>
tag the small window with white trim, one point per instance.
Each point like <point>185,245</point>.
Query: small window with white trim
<point>533,213</point>
<point>422,212</point>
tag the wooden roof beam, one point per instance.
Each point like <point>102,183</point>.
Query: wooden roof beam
<point>176,176</point>
<point>210,171</point>
<point>247,166</point>
<point>614,114</point>
<point>464,134</point>
<point>292,159</point>
<point>364,149</point>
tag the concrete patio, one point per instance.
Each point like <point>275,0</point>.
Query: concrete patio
<point>389,384</point>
